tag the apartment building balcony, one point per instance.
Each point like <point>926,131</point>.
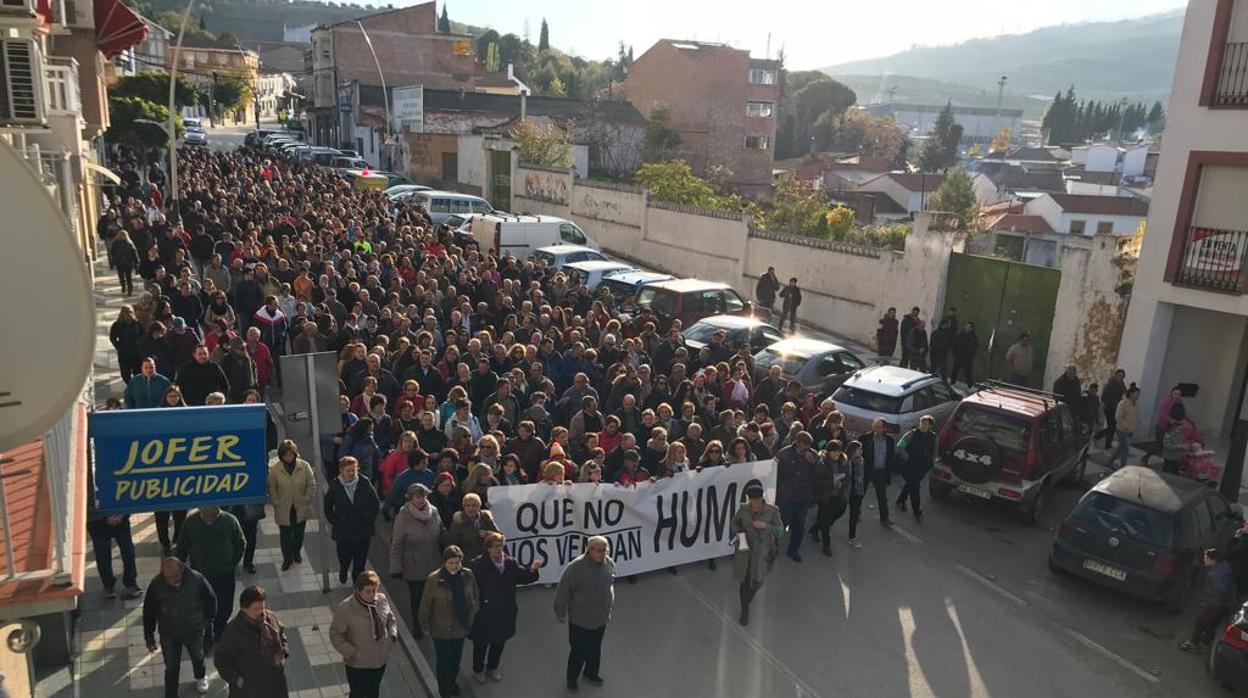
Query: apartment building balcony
<point>1214,259</point>
<point>1232,86</point>
<point>60,74</point>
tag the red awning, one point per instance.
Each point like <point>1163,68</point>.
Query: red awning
<point>117,28</point>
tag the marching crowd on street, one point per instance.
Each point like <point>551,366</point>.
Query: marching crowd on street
<point>459,372</point>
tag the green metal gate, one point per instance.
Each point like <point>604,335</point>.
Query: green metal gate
<point>500,179</point>
<point>1003,299</point>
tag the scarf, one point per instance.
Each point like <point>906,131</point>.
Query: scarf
<point>422,516</point>
<point>459,599</point>
<point>379,624</point>
<point>270,636</point>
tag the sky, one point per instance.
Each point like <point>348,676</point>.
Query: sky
<point>838,31</point>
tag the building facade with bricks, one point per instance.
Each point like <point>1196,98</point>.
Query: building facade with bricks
<point>723,103</point>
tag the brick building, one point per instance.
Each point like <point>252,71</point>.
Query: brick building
<point>409,48</point>
<point>722,102</point>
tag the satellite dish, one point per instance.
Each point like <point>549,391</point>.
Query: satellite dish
<point>47,361</point>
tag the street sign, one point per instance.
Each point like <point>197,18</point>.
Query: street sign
<point>408,111</point>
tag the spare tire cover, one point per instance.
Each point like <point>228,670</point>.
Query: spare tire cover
<point>974,459</point>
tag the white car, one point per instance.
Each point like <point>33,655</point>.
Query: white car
<point>897,395</point>
<point>195,138</point>
<point>403,191</point>
<point>556,256</point>
<point>590,273</point>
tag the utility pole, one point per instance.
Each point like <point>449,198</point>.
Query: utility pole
<point>996,120</point>
<point>385,98</point>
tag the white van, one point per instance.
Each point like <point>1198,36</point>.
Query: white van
<point>590,273</point>
<point>523,235</point>
<point>442,204</point>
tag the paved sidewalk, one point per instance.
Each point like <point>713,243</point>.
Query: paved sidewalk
<point>113,660</point>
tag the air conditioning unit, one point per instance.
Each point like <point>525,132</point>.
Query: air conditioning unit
<point>22,101</point>
<point>18,7</point>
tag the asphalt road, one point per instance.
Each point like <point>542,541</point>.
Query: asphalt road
<point>963,605</point>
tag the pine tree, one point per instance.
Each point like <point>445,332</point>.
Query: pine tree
<point>444,22</point>
<point>1156,119</point>
<point>543,38</point>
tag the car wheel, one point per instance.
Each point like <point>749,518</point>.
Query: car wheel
<point>1075,477</point>
<point>939,490</point>
<point>1029,513</point>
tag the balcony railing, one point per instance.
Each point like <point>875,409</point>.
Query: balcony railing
<point>1232,90</point>
<point>1214,259</point>
<point>61,77</point>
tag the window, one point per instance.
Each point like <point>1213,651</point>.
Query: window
<point>1105,227</point>
<point>706,302</point>
<point>758,142</point>
<point>760,109</point>
<point>657,301</point>
<point>571,234</point>
<point>924,398</point>
<point>1077,227</point>
<point>848,362</point>
<point>944,393</point>
<point>759,76</point>
<point>440,206</point>
<point>830,367</point>
<point>461,206</point>
<point>733,302</point>
<point>478,206</point>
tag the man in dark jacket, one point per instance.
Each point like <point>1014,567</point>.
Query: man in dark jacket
<point>907,324</point>
<point>795,488</point>
<point>239,370</point>
<point>792,296</point>
<point>1217,596</point>
<point>181,604</point>
<point>248,298</point>
<point>965,345</point>
<point>199,377</point>
<point>1113,392</point>
<point>212,543</point>
<point>351,506</point>
<point>878,453</point>
<point>919,447</point>
<point>1068,387</point>
<point>765,290</point>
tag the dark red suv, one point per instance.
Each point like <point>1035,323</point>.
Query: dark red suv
<point>1010,444</point>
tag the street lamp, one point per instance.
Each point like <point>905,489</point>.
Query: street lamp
<point>171,129</point>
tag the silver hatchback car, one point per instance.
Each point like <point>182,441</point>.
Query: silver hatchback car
<point>897,395</point>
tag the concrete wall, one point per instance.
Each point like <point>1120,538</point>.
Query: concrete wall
<point>425,152</point>
<point>1102,158</point>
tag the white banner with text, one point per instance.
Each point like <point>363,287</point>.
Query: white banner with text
<point>651,526</point>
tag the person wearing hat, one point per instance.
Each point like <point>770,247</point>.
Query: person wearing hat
<point>418,470</point>
<point>631,471</point>
<point>415,549</point>
<point>757,528</point>
<point>182,339</point>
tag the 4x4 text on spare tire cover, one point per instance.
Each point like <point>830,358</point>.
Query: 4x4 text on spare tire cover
<point>975,459</point>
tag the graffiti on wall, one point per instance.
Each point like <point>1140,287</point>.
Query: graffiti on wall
<point>549,187</point>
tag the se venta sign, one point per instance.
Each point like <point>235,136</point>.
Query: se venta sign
<point>651,526</point>
<point>179,458</point>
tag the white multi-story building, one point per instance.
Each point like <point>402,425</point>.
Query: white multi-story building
<point>1188,321</point>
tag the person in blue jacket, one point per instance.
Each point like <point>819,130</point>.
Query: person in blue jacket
<point>147,389</point>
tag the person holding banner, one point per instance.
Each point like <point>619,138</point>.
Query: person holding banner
<point>583,600</point>
<point>351,507</point>
<point>758,527</point>
<point>498,574</point>
<point>795,488</point>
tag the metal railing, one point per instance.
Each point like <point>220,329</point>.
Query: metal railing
<point>61,78</point>
<point>1232,90</point>
<point>1214,259</point>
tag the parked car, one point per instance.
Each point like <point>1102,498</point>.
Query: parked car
<point>897,395</point>
<point>441,204</point>
<point>320,156</point>
<point>254,138</point>
<point>1010,444</point>
<point>737,329</point>
<point>348,163</point>
<point>590,272</point>
<point>192,122</point>
<point>394,179</point>
<point>821,367</point>
<point>400,191</point>
<point>690,300</point>
<point>522,235</point>
<point>1143,532</point>
<point>461,227</point>
<point>624,285</point>
<point>195,138</point>
<point>1228,658</point>
<point>556,256</point>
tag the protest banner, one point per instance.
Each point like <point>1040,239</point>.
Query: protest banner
<point>673,521</point>
<point>180,458</point>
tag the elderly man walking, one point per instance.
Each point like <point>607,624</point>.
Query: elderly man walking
<point>583,600</point>
<point>180,604</point>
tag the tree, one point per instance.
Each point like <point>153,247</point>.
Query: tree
<point>557,88</point>
<point>839,222</point>
<point>444,22</point>
<point>674,182</point>
<point>805,96</point>
<point>1059,118</point>
<point>154,87</point>
<point>489,36</point>
<point>492,61</point>
<point>947,133</point>
<point>543,37</point>
<point>1155,122</point>
<point>1001,142</point>
<point>661,140</point>
<point>123,129</point>
<point>230,92</point>
<point>956,195</point>
<point>860,132</point>
<point>512,49</point>
<point>796,208</point>
<point>547,146</point>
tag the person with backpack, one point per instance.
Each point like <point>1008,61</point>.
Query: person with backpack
<point>917,452</point>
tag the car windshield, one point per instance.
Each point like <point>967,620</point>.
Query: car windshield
<point>867,400</point>
<point>546,257</point>
<point>660,303</point>
<point>1006,432</point>
<point>701,332</point>
<point>789,364</point>
<point>1125,518</point>
<point>618,289</point>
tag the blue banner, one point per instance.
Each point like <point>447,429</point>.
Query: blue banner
<point>179,458</point>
